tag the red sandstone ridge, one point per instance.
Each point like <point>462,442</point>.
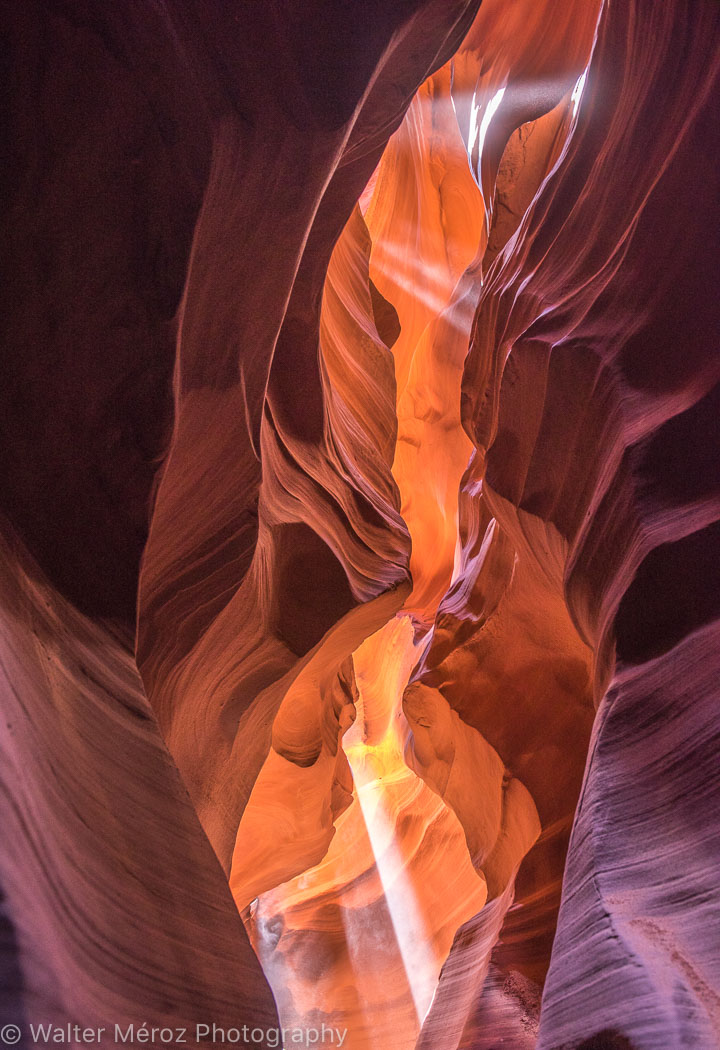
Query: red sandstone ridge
<point>359,524</point>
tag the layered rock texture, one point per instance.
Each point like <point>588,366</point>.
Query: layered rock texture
<point>360,521</point>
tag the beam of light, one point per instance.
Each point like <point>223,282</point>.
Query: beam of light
<point>396,883</point>
<point>409,927</point>
<point>478,133</point>
<point>577,92</point>
<point>423,280</point>
<point>384,786</point>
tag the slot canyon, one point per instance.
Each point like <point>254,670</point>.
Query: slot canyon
<point>360,524</point>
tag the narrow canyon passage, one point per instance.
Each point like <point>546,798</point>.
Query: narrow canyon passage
<point>359,524</point>
<point>424,822</point>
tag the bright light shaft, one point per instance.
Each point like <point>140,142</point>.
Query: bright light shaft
<point>477,134</point>
<point>410,930</point>
<point>577,92</point>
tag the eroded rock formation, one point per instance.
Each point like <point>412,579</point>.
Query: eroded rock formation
<point>360,521</point>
